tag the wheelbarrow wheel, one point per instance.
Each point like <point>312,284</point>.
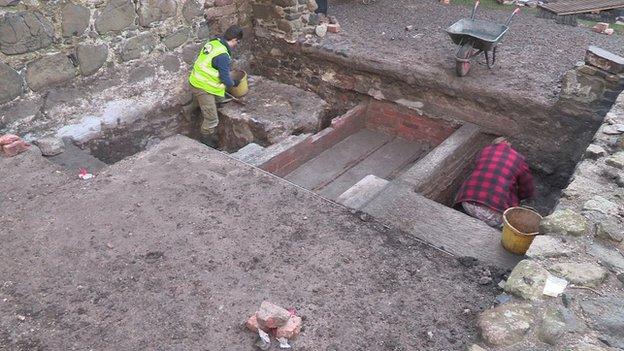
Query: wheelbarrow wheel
<point>462,61</point>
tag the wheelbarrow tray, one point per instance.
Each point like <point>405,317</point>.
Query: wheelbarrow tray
<point>484,34</point>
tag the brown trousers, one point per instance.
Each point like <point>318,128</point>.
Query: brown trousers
<point>208,106</point>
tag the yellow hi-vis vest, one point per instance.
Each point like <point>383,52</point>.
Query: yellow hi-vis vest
<point>204,76</point>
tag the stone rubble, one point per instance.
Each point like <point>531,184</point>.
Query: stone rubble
<point>581,242</point>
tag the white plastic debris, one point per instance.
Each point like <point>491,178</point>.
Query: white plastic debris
<point>84,174</point>
<point>283,343</point>
<point>554,286</point>
<point>264,336</point>
<point>264,342</point>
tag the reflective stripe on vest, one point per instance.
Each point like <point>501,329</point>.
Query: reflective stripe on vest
<point>204,76</point>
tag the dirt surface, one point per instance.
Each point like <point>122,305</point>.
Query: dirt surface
<point>530,60</point>
<point>172,248</point>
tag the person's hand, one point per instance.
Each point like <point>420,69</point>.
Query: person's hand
<point>236,82</point>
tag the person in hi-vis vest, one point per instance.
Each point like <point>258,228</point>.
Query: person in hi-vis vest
<point>210,77</point>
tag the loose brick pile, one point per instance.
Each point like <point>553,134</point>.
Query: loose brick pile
<point>275,321</point>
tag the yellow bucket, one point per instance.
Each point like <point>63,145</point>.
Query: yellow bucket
<point>243,86</point>
<point>520,226</point>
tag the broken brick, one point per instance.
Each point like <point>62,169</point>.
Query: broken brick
<point>14,148</point>
<point>252,323</point>
<point>333,28</point>
<point>271,316</point>
<point>291,330</point>
<point>600,27</point>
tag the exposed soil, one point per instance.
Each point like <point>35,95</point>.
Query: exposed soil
<point>172,248</point>
<point>530,60</point>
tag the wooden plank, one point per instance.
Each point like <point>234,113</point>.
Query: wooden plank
<point>398,206</point>
<point>581,6</point>
<point>332,162</point>
<point>383,163</point>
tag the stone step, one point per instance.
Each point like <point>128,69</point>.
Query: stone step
<point>257,155</point>
<point>362,192</point>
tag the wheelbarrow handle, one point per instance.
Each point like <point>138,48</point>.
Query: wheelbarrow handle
<point>474,9</point>
<point>516,11</point>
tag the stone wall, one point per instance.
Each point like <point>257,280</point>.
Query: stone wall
<point>48,44</point>
<point>284,18</point>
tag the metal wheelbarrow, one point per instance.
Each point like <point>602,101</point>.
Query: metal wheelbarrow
<point>474,37</point>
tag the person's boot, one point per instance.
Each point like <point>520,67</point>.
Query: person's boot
<point>209,140</point>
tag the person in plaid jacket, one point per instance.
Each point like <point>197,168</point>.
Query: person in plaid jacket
<point>500,179</point>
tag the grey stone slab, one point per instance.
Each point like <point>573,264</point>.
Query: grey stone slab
<point>333,162</point>
<point>12,85</point>
<point>386,162</point>
<point>362,192</point>
<point>91,58</point>
<point>75,19</point>
<point>49,71</point>
<point>611,258</point>
<point>505,325</point>
<point>138,46</point>
<point>191,10</point>
<point>398,205</point>
<point>527,280</point>
<point>23,32</point>
<point>176,38</point>
<point>154,11</point>
<point>74,158</point>
<point>115,17</point>
<point>547,246</point>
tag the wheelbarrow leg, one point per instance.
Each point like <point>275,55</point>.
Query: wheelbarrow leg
<point>487,58</point>
<point>462,59</point>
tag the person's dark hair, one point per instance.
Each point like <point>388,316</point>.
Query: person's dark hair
<point>234,32</point>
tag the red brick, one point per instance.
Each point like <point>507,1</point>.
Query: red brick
<point>271,316</point>
<point>252,323</point>
<point>333,28</point>
<point>8,138</point>
<point>14,148</point>
<point>291,330</point>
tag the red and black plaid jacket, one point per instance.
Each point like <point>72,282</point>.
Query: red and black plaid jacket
<point>500,179</point>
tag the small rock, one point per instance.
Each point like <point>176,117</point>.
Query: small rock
<point>602,205</point>
<point>475,347</point>
<point>252,323</point>
<point>321,30</point>
<point>585,274</point>
<point>50,146</point>
<point>616,160</point>
<point>409,28</point>
<point>610,229</point>
<point>611,130</point>
<point>566,300</point>
<point>595,151</point>
<point>502,299</point>
<point>333,28</point>
<point>547,246</point>
<point>485,280</point>
<point>564,222</point>
<point>271,316</point>
<point>506,324</point>
<point>527,280</point>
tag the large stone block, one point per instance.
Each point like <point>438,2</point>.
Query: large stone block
<point>564,222</point>
<point>176,38</point>
<point>586,274</point>
<point>604,59</point>
<point>556,321</point>
<point>75,19</point>
<point>527,280</point>
<point>23,32</point>
<point>191,10</point>
<point>11,86</point>
<point>606,315</point>
<point>48,71</point>
<point>138,46</point>
<point>115,17</point>
<point>151,11</point>
<point>582,88</point>
<point>215,13</point>
<point>506,324</point>
<point>91,58</point>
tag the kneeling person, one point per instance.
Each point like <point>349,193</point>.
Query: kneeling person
<point>500,179</point>
<point>210,77</point>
